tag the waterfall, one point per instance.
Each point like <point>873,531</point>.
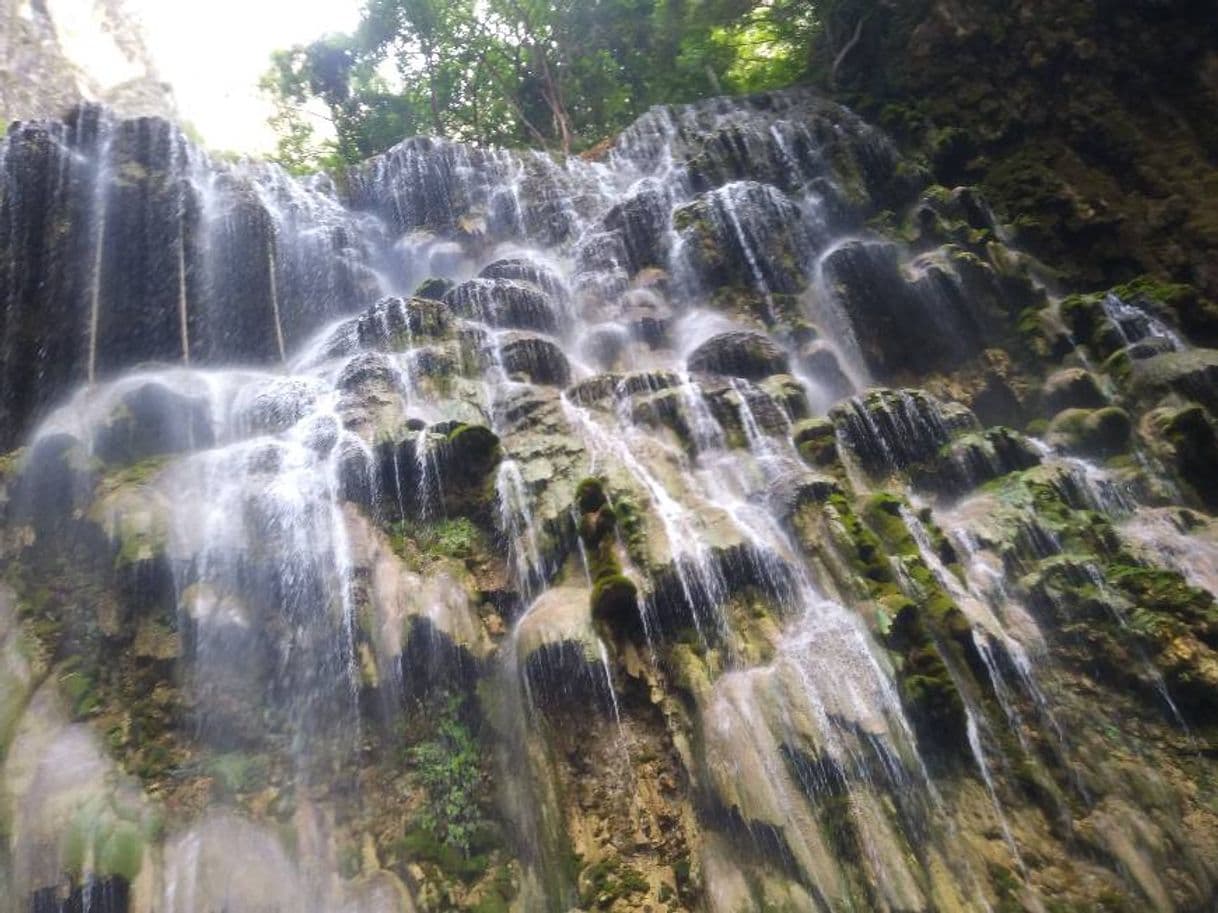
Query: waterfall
<point>509,533</point>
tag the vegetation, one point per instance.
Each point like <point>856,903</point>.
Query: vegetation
<point>455,537</point>
<point>557,76</point>
<point>449,765</point>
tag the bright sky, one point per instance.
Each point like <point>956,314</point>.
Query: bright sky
<point>214,53</point>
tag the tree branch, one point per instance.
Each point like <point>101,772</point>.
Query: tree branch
<point>844,52</point>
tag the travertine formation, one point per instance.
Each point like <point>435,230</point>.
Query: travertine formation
<point>739,522</point>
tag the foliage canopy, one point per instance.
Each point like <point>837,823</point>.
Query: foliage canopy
<point>554,74</point>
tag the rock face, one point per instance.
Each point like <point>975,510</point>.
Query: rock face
<point>159,255</point>
<point>732,524</point>
<point>42,74</point>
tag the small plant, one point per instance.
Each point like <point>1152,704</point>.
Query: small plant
<point>454,538</point>
<point>450,768</point>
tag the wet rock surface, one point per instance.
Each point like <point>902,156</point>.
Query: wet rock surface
<point>752,531</point>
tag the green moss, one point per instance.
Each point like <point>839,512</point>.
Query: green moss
<point>237,772</point>
<point>122,853</point>
<point>924,681</point>
<point>816,441</point>
<point>605,882</point>
<point>420,844</point>
<point>471,452</point>
<point>631,525</point>
<point>101,841</point>
<point>882,512</point>
<point>433,289</point>
<point>590,495</point>
<point>860,546</point>
<point>614,598</point>
<point>1168,594</point>
<point>80,689</point>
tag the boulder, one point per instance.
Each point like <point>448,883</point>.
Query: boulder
<point>274,406</point>
<point>739,354</point>
<point>368,370</point>
<point>521,269</point>
<point>536,357</point>
<point>641,222</point>
<point>1192,374</point>
<point>602,345</point>
<point>503,303</point>
<point>153,420</point>
<point>973,459</point>
<point>433,289</point>
<point>891,430</point>
<point>558,650</point>
<point>816,441</point>
<point>818,362</point>
<point>1188,442</point>
<point>920,323</point>
<point>1094,433</point>
<point>1072,388</point>
<point>646,316</point>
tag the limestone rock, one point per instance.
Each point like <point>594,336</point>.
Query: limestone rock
<point>739,354</point>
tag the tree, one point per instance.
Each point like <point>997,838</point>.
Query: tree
<point>555,74</point>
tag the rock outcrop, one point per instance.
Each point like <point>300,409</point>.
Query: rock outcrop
<point>734,523</point>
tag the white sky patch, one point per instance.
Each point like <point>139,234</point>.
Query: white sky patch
<point>214,53</point>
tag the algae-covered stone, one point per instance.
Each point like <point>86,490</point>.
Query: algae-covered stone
<point>522,269</point>
<point>973,459</point>
<point>615,600</point>
<point>1072,388</point>
<point>1098,433</point>
<point>744,235</point>
<point>470,451</point>
<point>1191,374</point>
<point>891,430</point>
<point>433,289</point>
<point>816,441</point>
<point>1188,440</point>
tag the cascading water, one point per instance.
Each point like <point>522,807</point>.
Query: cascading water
<point>584,573</point>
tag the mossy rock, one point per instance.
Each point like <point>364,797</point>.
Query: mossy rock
<point>1190,442</point>
<point>816,441</point>
<point>235,772</point>
<point>615,600</point>
<point>106,840</point>
<point>1176,302</point>
<point>433,289</point>
<point>1097,433</point>
<point>925,683</point>
<point>1192,374</point>
<point>590,495</point>
<point>739,353</point>
<point>604,883</point>
<point>1089,325</point>
<point>152,420</point>
<point>1072,388</point>
<point>469,454</point>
